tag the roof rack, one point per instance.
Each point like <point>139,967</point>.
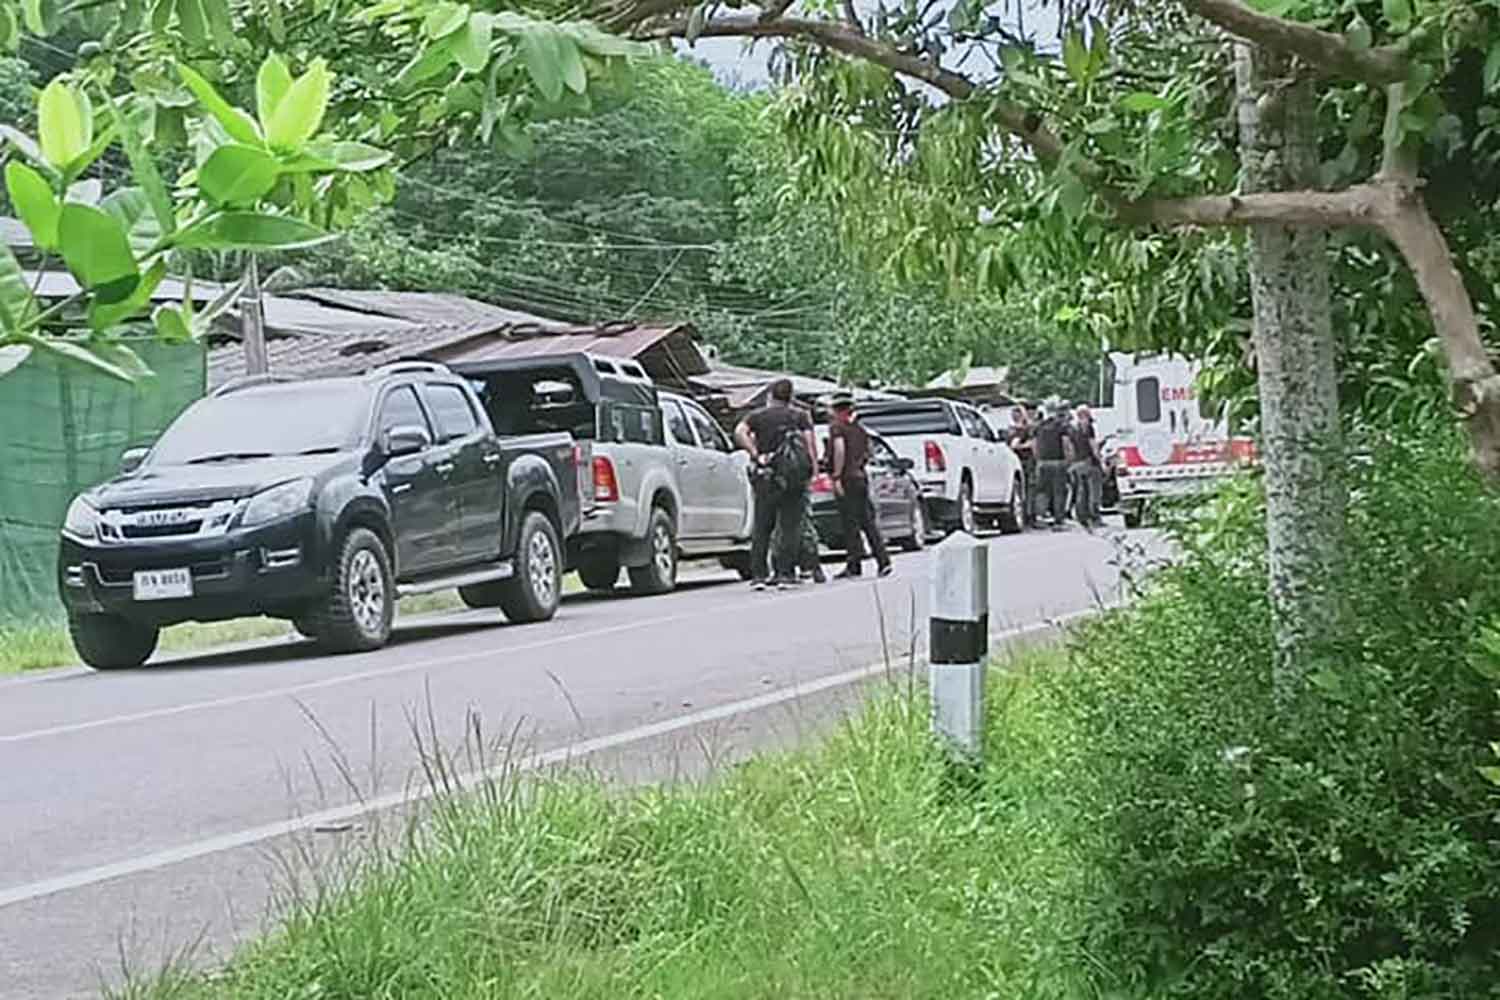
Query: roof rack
<point>401,367</point>
<point>250,381</point>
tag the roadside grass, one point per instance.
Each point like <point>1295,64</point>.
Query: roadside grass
<point>41,644</point>
<point>858,868</point>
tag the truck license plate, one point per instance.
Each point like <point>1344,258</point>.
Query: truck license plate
<point>163,584</point>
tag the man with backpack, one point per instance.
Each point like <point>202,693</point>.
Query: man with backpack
<point>779,438</point>
<point>1053,453</point>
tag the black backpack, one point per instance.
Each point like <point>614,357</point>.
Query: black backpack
<point>791,466</point>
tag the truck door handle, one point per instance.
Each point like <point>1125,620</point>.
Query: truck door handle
<point>682,461</point>
<point>444,468</point>
<point>492,459</point>
<point>401,487</point>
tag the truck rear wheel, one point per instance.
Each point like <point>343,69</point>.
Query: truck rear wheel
<point>108,642</point>
<point>599,571</point>
<point>659,575</point>
<point>533,594</point>
<point>356,615</point>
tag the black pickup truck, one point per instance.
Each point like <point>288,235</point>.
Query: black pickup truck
<point>320,501</point>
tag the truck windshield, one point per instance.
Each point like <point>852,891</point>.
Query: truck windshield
<point>298,419</point>
<point>903,420</point>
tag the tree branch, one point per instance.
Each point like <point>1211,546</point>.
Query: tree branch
<point>1324,50</point>
<point>839,37</point>
<point>1355,206</point>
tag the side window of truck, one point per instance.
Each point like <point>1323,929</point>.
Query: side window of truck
<point>452,411</point>
<point>401,409</point>
<point>1148,400</point>
<point>710,434</point>
<point>677,423</point>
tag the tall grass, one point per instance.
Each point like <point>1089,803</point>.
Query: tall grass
<point>857,869</point>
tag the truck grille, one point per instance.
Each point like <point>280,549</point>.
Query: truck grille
<point>133,524</point>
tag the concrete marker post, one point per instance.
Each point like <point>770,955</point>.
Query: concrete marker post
<point>959,644</point>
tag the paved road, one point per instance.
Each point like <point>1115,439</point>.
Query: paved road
<point>136,809</point>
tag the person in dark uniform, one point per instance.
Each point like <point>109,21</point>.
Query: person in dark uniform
<point>1053,452</point>
<point>779,492</point>
<point>1022,440</point>
<point>1086,469</point>
<point>848,456</point>
<point>809,561</point>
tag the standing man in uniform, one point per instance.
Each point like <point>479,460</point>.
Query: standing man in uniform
<point>1053,451</point>
<point>848,456</point>
<point>1087,470</point>
<point>779,438</point>
<point>809,560</point>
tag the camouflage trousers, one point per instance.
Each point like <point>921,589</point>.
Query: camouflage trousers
<point>807,547</point>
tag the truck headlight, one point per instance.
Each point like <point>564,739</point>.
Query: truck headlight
<point>82,520</point>
<point>277,502</point>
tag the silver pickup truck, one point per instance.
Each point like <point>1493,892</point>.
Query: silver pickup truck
<point>663,482</point>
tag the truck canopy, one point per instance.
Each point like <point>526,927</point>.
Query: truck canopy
<point>592,398</point>
<point>917,416</point>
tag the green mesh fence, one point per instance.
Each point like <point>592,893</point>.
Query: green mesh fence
<point>62,429</point>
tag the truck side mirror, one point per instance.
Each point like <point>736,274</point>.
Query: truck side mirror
<point>132,459</point>
<point>404,439</point>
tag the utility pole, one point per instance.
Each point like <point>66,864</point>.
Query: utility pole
<point>253,321</point>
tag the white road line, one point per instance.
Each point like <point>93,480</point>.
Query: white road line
<point>341,814</point>
<point>409,666</point>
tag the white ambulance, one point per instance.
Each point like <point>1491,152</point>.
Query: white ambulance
<point>1157,439</point>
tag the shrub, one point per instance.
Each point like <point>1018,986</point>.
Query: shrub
<point>1342,844</point>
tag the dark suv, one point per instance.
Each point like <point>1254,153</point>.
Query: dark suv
<point>320,501</point>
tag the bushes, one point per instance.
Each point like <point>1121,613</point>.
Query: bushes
<point>1341,845</point>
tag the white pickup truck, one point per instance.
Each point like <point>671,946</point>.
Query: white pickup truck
<point>662,481</point>
<point>968,474</point>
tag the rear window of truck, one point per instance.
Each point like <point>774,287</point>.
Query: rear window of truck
<point>905,420</point>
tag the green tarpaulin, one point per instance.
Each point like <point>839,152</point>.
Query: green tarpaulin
<point>63,428</point>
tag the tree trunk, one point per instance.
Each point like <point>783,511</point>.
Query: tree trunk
<point>1301,438</point>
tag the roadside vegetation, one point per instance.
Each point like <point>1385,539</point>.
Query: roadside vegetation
<point>1150,820</point>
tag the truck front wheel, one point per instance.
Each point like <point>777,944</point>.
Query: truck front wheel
<point>533,594</point>
<point>108,642</point>
<point>356,615</point>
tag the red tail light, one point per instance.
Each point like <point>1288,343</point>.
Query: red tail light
<point>606,486</point>
<point>934,454</point>
<point>822,483</point>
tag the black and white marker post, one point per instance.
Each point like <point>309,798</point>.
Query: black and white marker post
<point>959,631</point>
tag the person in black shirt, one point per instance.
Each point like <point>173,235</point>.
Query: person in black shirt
<point>1086,470</point>
<point>848,456</point>
<point>1022,440</point>
<point>1053,451</point>
<point>778,498</point>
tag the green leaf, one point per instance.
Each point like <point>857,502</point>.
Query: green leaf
<point>471,46</point>
<point>1397,14</point>
<point>240,126</point>
<point>107,315</point>
<point>82,162</point>
<point>72,350</point>
<point>299,114</point>
<point>1076,58</point>
<point>32,15</point>
<point>220,23</point>
<point>1492,68</point>
<point>1490,774</point>
<point>10,36</point>
<point>142,166</point>
<point>236,175</point>
<point>574,73</point>
<point>348,157</point>
<point>250,231</point>
<point>170,325</point>
<point>444,19</point>
<point>271,85</point>
<point>540,52</point>
<point>34,202</point>
<point>1358,33</point>
<point>194,23</point>
<point>64,124</point>
<point>17,306</point>
<point>132,207</point>
<point>95,248</point>
<point>426,64</point>
<point>122,357</point>
<point>1140,102</point>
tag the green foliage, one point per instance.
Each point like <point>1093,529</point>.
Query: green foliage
<point>1340,845</point>
<point>116,246</point>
